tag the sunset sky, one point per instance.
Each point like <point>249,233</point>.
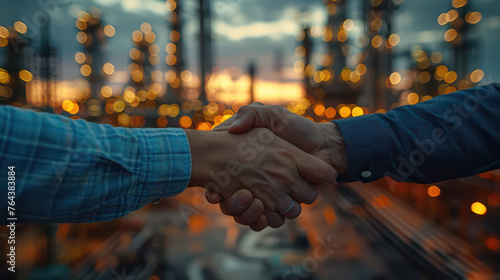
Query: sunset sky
<point>244,30</point>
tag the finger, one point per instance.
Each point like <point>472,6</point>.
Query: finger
<point>237,203</point>
<point>315,169</point>
<point>293,211</point>
<point>279,120</point>
<point>257,104</point>
<point>213,197</point>
<point>244,120</point>
<point>252,214</point>
<point>260,224</point>
<point>272,117</point>
<point>302,191</point>
<point>274,219</point>
<point>223,126</point>
<point>278,199</point>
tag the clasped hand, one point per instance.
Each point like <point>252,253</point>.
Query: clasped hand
<point>264,162</point>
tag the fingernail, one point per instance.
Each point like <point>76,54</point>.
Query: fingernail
<point>236,122</point>
<point>243,200</point>
<point>213,197</point>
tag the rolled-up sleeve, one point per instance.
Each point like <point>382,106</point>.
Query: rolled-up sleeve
<point>75,171</point>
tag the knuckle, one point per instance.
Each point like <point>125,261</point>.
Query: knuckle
<point>258,226</point>
<point>270,196</point>
<point>277,115</point>
<point>243,109</point>
<point>277,223</point>
<point>280,112</point>
<point>281,205</point>
<point>274,219</point>
<point>276,108</point>
<point>244,220</point>
<point>296,213</point>
<point>320,171</point>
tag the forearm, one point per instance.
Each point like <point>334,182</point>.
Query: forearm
<point>75,171</point>
<point>450,136</point>
<point>205,154</point>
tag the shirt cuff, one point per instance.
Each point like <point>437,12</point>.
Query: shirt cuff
<point>166,164</point>
<point>367,145</point>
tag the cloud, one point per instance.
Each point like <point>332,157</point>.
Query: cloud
<point>235,23</point>
<point>274,30</point>
<point>136,6</point>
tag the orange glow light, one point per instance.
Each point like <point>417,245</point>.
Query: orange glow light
<point>492,243</point>
<point>330,112</point>
<point>85,70</point>
<point>109,30</point>
<point>476,75</point>
<point>26,76</point>
<point>319,110</point>
<point>395,78</point>
<point>412,98</point>
<point>108,68</point>
<point>106,91</point>
<point>174,36</point>
<point>20,27</point>
<point>357,111</point>
<point>377,41</point>
<point>433,191</point>
<point>185,122</point>
<point>137,36</point>
<point>329,214</point>
<point>478,208</point>
<point>145,27</point>
<point>345,112</point>
<point>450,35</point>
<point>162,121</point>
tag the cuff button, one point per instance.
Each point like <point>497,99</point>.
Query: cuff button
<point>156,201</point>
<point>366,174</point>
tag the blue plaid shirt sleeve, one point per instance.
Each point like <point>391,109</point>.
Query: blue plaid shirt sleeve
<point>76,171</point>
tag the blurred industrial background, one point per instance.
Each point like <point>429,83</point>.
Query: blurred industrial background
<point>193,64</point>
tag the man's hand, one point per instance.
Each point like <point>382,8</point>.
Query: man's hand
<point>245,209</point>
<point>322,140</point>
<point>276,172</point>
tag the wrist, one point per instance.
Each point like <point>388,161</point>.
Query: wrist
<point>204,148</point>
<point>334,145</point>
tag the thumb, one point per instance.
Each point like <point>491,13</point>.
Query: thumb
<point>244,120</point>
<point>315,169</point>
<point>213,197</point>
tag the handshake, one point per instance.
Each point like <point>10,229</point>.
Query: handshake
<point>262,163</point>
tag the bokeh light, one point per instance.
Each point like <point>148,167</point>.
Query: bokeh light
<point>478,208</point>
<point>433,191</point>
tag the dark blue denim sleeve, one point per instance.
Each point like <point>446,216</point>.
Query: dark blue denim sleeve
<point>450,136</point>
